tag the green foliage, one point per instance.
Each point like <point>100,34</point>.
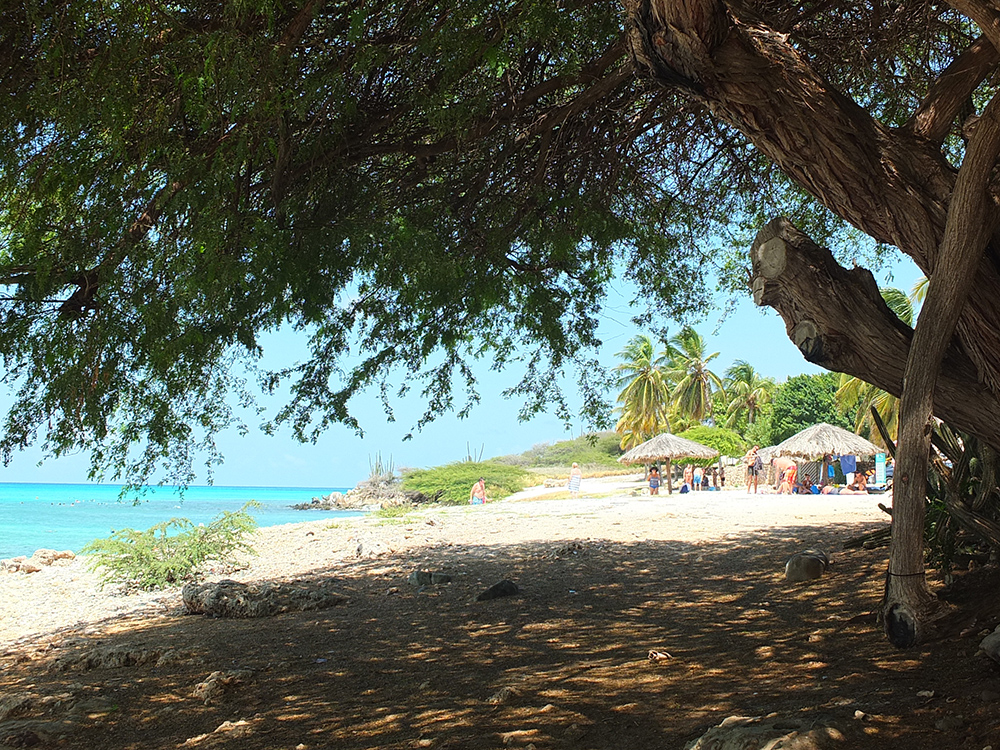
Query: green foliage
<point>748,394</point>
<point>393,513</point>
<point>727,442</point>
<point>802,401</point>
<point>963,498</point>
<point>413,187</point>
<point>456,479</point>
<point>170,552</point>
<point>693,382</point>
<point>600,450</point>
<point>645,398</point>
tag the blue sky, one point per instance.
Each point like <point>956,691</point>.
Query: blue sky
<point>340,458</point>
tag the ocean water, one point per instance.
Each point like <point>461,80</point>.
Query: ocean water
<point>67,516</point>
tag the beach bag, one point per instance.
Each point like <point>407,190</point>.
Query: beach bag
<point>758,463</point>
<point>684,488</point>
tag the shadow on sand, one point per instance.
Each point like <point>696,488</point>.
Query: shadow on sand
<point>561,665</point>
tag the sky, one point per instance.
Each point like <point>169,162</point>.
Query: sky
<point>341,458</point>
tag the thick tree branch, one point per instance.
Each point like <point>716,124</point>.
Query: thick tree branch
<point>840,322</point>
<point>986,16</point>
<point>953,88</point>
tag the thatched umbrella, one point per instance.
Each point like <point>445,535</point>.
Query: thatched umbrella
<point>665,447</point>
<point>816,441</point>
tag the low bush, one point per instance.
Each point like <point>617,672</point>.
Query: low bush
<point>170,552</point>
<point>597,451</point>
<point>456,479</point>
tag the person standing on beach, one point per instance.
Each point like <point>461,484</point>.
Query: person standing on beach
<point>654,481</point>
<point>689,477</point>
<point>697,478</point>
<point>477,496</point>
<point>575,478</point>
<point>754,464</point>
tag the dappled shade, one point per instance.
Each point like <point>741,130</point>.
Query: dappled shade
<point>816,441</point>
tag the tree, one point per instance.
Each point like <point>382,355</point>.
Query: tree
<point>646,393</point>
<point>747,393</point>
<point>694,382</point>
<point>802,401</point>
<point>416,186</point>
<point>727,442</point>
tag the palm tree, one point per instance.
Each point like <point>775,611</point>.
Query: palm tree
<point>860,396</point>
<point>645,396</point>
<point>694,381</point>
<point>747,392</point>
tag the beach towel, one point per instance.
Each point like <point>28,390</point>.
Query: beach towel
<point>574,483</point>
<point>848,464</point>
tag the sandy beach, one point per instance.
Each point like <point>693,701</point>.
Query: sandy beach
<point>67,596</point>
<point>635,621</point>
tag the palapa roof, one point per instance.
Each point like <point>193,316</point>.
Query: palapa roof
<point>813,442</point>
<point>666,446</point>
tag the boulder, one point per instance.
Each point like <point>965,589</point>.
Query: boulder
<point>806,566</point>
<point>990,645</point>
<point>771,733</point>
<point>497,590</point>
<point>116,657</point>
<point>214,687</point>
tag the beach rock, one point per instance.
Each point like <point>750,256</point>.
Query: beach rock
<point>770,733</point>
<point>990,645</point>
<point>806,566</point>
<point>34,564</point>
<point>115,657</point>
<point>241,600</point>
<point>497,590</point>
<point>51,556</point>
<point>426,578</point>
<point>369,550</point>
<point>214,687</point>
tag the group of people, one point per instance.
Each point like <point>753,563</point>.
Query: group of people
<point>695,478</point>
<point>786,478</point>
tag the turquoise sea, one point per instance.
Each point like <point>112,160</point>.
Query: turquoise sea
<point>67,516</point>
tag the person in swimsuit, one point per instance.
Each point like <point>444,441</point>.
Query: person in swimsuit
<point>477,496</point>
<point>754,464</point>
<point>654,481</point>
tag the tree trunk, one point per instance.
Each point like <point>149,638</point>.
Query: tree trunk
<point>668,473</point>
<point>896,185</point>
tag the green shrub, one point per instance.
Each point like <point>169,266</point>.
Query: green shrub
<point>456,479</point>
<point>170,552</point>
<point>727,442</point>
<point>600,450</point>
